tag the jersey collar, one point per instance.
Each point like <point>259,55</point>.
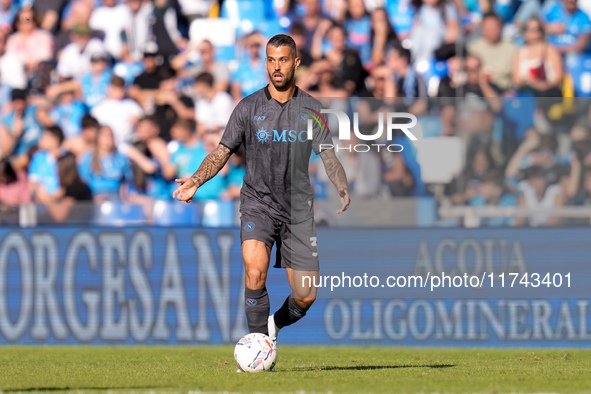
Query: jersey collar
<point>268,94</point>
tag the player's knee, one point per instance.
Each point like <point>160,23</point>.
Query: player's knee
<point>305,303</point>
<point>255,278</point>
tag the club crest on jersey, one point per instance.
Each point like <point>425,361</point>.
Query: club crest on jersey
<point>262,135</point>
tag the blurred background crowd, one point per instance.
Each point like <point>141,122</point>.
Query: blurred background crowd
<point>111,100</point>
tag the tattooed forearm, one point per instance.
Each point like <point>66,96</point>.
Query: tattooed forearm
<point>211,165</point>
<point>335,170</point>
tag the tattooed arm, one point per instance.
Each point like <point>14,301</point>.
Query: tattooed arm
<point>337,175</point>
<point>210,166</point>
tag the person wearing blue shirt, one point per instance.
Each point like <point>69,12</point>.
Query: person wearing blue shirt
<point>187,152</point>
<point>252,72</point>
<point>358,28</point>
<point>567,26</point>
<point>43,172</point>
<point>19,130</point>
<point>68,114</point>
<point>492,193</point>
<point>104,169</point>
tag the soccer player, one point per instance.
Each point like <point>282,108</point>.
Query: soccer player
<point>276,197</point>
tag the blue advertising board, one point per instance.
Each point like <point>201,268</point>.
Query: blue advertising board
<point>73,285</point>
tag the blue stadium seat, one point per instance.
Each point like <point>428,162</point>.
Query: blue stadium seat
<point>246,15</point>
<point>174,213</point>
<point>112,213</point>
<point>579,68</point>
<point>218,213</point>
<point>225,53</point>
<point>518,114</point>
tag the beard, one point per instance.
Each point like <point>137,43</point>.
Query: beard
<point>284,83</point>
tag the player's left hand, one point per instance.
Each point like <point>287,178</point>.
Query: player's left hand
<point>345,200</point>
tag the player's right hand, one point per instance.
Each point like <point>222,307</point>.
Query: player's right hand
<point>186,190</point>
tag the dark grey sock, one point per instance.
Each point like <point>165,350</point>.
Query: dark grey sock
<point>289,313</point>
<point>257,306</point>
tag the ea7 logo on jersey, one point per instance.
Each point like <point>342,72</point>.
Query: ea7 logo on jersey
<point>259,117</point>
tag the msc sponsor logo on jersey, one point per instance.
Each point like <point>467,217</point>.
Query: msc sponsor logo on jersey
<point>290,136</point>
<point>259,117</point>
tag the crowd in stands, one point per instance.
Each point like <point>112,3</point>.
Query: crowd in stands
<point>111,100</point>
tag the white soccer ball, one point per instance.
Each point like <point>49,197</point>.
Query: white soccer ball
<point>255,353</point>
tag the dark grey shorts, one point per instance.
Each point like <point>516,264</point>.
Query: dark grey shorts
<point>297,246</point>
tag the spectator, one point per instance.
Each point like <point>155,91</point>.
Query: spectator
<point>497,56</point>
<point>298,33</point>
<point>85,141</point>
<point>118,112</point>
<point>104,168</point>
<point>358,27</point>
<point>382,36</point>
<point>8,11</point>
<point>213,108</point>
<point>29,43</point>
<point>193,9</point>
<point>74,60</point>
<point>51,11</point>
<point>12,71</point>
<point>436,24</point>
<point>396,175</point>
<point>207,63</point>
<point>538,194</point>
<point>251,73</point>
<point>467,80</point>
<point>319,81</point>
<point>68,114</point>
<point>78,13</point>
<point>310,20</point>
<point>145,86</point>
<point>155,177</point>
<point>408,85</point>
<point>44,179</point>
<point>567,26</point>
<point>186,149</point>
<point>401,14</point>
<point>20,130</point>
<point>466,186</point>
<point>112,19</point>
<point>14,189</point>
<point>172,104</point>
<point>583,197</point>
<point>136,34</point>
<point>538,66</point>
<point>491,193</point>
<point>535,151</point>
<point>165,30</point>
<point>348,70</point>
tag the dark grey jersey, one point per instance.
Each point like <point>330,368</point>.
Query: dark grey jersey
<point>275,138</point>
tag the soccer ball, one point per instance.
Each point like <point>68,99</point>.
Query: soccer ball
<point>255,353</point>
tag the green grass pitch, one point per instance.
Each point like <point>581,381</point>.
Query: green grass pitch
<point>309,369</point>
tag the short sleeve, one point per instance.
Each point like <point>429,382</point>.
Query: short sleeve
<point>321,139</point>
<point>234,133</point>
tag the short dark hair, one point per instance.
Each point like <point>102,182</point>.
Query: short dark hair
<point>57,132</point>
<point>187,124</point>
<point>118,81</point>
<point>280,40</point>
<point>7,171</point>
<point>18,94</point>
<point>89,122</point>
<point>491,15</point>
<point>206,78</point>
<point>403,53</point>
<point>166,72</point>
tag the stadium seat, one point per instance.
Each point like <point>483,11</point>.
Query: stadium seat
<point>518,115</point>
<point>111,213</point>
<point>174,213</point>
<point>579,68</point>
<point>218,213</point>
